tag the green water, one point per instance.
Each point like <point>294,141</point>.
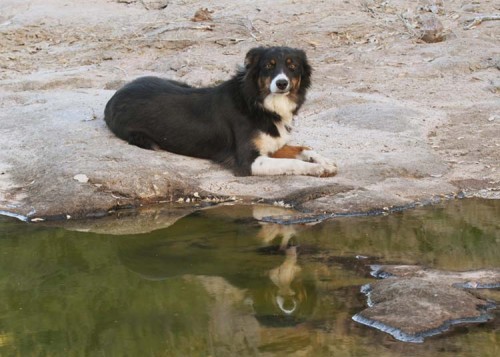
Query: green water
<point>218,283</point>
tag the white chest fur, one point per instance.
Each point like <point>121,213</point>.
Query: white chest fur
<point>267,144</point>
<point>281,105</point>
<point>284,107</point>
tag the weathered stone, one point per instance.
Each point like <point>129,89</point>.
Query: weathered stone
<point>434,6</point>
<point>202,14</point>
<point>412,303</point>
<point>155,4</point>
<point>430,28</point>
<point>369,110</point>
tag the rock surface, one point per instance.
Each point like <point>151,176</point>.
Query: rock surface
<point>412,302</point>
<point>406,121</point>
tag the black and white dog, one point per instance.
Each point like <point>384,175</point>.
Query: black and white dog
<point>243,123</point>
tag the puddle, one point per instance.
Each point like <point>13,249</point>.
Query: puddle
<point>219,283</point>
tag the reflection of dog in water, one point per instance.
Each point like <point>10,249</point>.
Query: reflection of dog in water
<point>285,277</point>
<point>212,243</point>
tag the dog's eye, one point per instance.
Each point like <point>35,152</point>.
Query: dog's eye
<point>269,66</point>
<point>292,67</point>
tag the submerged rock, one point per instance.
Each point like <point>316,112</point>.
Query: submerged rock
<point>412,303</point>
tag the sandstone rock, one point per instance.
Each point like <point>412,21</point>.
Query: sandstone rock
<point>370,109</point>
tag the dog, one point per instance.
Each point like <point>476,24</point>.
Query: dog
<point>243,124</point>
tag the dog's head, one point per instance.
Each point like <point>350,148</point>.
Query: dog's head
<point>279,70</point>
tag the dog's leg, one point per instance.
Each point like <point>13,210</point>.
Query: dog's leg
<point>289,152</point>
<point>142,140</point>
<point>264,166</point>
<point>305,153</point>
<point>312,156</point>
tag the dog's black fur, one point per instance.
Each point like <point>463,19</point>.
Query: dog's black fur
<point>218,123</point>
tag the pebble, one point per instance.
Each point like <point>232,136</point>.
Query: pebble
<point>81,178</point>
<point>155,4</point>
<point>470,8</point>
<point>431,28</point>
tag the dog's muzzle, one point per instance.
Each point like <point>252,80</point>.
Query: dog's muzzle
<point>280,84</point>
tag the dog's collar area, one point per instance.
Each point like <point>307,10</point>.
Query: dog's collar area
<point>280,104</point>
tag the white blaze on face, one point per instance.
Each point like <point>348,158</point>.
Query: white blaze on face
<point>274,88</point>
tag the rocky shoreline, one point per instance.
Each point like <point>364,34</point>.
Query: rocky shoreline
<point>406,120</point>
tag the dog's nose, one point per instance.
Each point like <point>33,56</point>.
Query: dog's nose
<point>281,84</point>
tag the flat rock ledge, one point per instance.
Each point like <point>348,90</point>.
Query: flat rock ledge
<point>58,160</point>
<point>412,302</point>
<point>406,121</point>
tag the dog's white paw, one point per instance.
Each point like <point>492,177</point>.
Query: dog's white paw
<point>319,170</point>
<point>328,167</point>
<point>265,165</point>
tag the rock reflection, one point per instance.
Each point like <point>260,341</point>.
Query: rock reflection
<point>252,270</point>
<point>218,282</point>
<point>252,275</point>
<point>261,262</point>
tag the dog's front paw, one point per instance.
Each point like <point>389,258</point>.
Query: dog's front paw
<point>313,156</point>
<point>329,169</point>
<point>319,170</point>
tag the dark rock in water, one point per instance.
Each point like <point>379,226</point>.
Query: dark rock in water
<point>412,303</point>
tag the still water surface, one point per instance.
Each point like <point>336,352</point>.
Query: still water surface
<point>219,283</point>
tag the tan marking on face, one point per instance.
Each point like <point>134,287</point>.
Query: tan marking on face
<point>264,84</point>
<point>296,83</point>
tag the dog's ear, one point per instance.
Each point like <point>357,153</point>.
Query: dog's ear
<point>253,56</point>
<point>306,70</point>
